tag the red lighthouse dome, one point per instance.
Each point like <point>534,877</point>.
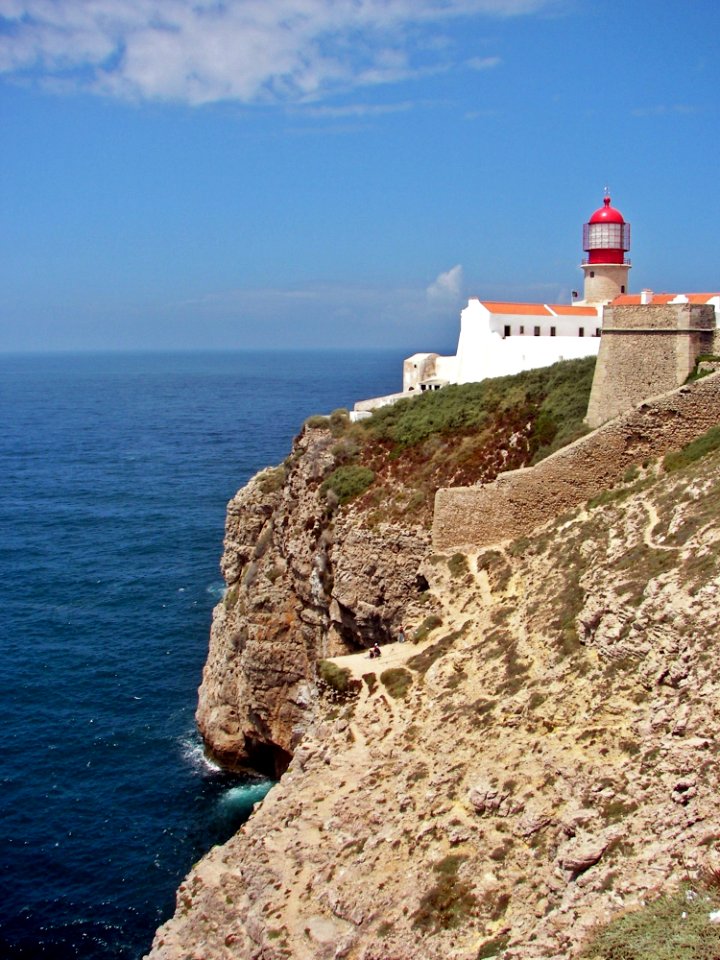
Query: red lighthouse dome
<point>606,236</point>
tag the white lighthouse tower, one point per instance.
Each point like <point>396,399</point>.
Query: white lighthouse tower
<point>606,240</point>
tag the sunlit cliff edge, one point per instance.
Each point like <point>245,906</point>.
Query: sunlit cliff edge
<point>540,756</point>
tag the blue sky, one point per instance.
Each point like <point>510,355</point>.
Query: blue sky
<point>340,173</point>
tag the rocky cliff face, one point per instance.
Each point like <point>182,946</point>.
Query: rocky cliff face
<point>543,758</point>
<point>305,581</point>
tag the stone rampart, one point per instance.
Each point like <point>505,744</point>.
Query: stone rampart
<point>521,500</point>
<point>646,350</point>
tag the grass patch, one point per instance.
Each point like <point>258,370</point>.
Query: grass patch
<point>335,677</point>
<point>449,902</point>
<point>317,422</point>
<point>397,681</point>
<point>695,450</point>
<point>348,482</point>
<point>272,478</point>
<point>498,570</point>
<point>672,927</point>
<point>493,948</point>
<point>422,662</point>
<point>426,628</point>
<point>458,565</point>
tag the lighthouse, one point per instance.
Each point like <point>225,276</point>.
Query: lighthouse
<point>606,240</point>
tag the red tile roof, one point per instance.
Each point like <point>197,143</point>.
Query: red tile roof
<point>634,299</point>
<point>570,310</point>
<point>523,309</point>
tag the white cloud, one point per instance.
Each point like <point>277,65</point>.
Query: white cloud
<point>446,289</point>
<point>483,63</point>
<point>252,51</point>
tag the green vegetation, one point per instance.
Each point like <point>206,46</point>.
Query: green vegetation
<point>272,478</point>
<point>672,927</point>
<point>231,596</point>
<point>697,373</point>
<point>338,678</point>
<point>493,948</point>
<point>458,565</point>
<point>385,929</point>
<point>449,902</point>
<point>499,571</point>
<point>397,681</point>
<point>422,662</point>
<point>426,627</point>
<point>553,398</point>
<point>698,448</point>
<point>317,422</point>
<point>348,481</point>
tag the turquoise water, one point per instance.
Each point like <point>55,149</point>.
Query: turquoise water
<point>116,472</point>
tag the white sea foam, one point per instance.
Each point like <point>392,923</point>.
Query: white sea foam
<point>216,590</point>
<point>193,753</point>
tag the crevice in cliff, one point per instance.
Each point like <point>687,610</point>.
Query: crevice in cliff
<point>266,758</point>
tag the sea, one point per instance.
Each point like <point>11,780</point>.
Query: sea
<point>115,471</point>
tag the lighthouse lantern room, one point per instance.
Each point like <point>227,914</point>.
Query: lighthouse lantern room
<point>606,240</point>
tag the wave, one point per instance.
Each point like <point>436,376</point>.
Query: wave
<point>216,590</point>
<point>193,753</point>
<point>238,801</point>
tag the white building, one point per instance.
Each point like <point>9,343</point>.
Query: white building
<point>498,338</point>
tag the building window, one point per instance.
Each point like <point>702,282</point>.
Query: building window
<point>592,273</point>
<point>597,331</point>
<point>537,331</point>
<point>552,331</point>
<point>622,289</point>
<point>581,332</point>
<point>522,329</point>
<point>506,332</point>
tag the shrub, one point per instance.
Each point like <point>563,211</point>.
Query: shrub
<point>348,482</point>
<point>447,904</point>
<point>339,421</point>
<point>426,627</point>
<point>672,927</point>
<point>272,478</point>
<point>422,662</point>
<point>317,422</point>
<point>339,678</point>
<point>556,397</point>
<point>397,681</point>
<point>458,565</point>
<point>493,948</point>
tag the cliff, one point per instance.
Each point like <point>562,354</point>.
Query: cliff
<point>322,554</point>
<point>305,581</point>
<point>538,759</point>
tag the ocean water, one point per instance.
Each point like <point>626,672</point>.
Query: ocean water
<point>115,474</point>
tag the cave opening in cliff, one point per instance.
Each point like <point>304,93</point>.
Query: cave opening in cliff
<point>267,758</point>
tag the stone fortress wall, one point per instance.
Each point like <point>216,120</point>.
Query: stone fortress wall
<point>521,500</point>
<point>646,350</point>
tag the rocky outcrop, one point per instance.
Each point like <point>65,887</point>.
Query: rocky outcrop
<point>548,762</point>
<point>305,580</point>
